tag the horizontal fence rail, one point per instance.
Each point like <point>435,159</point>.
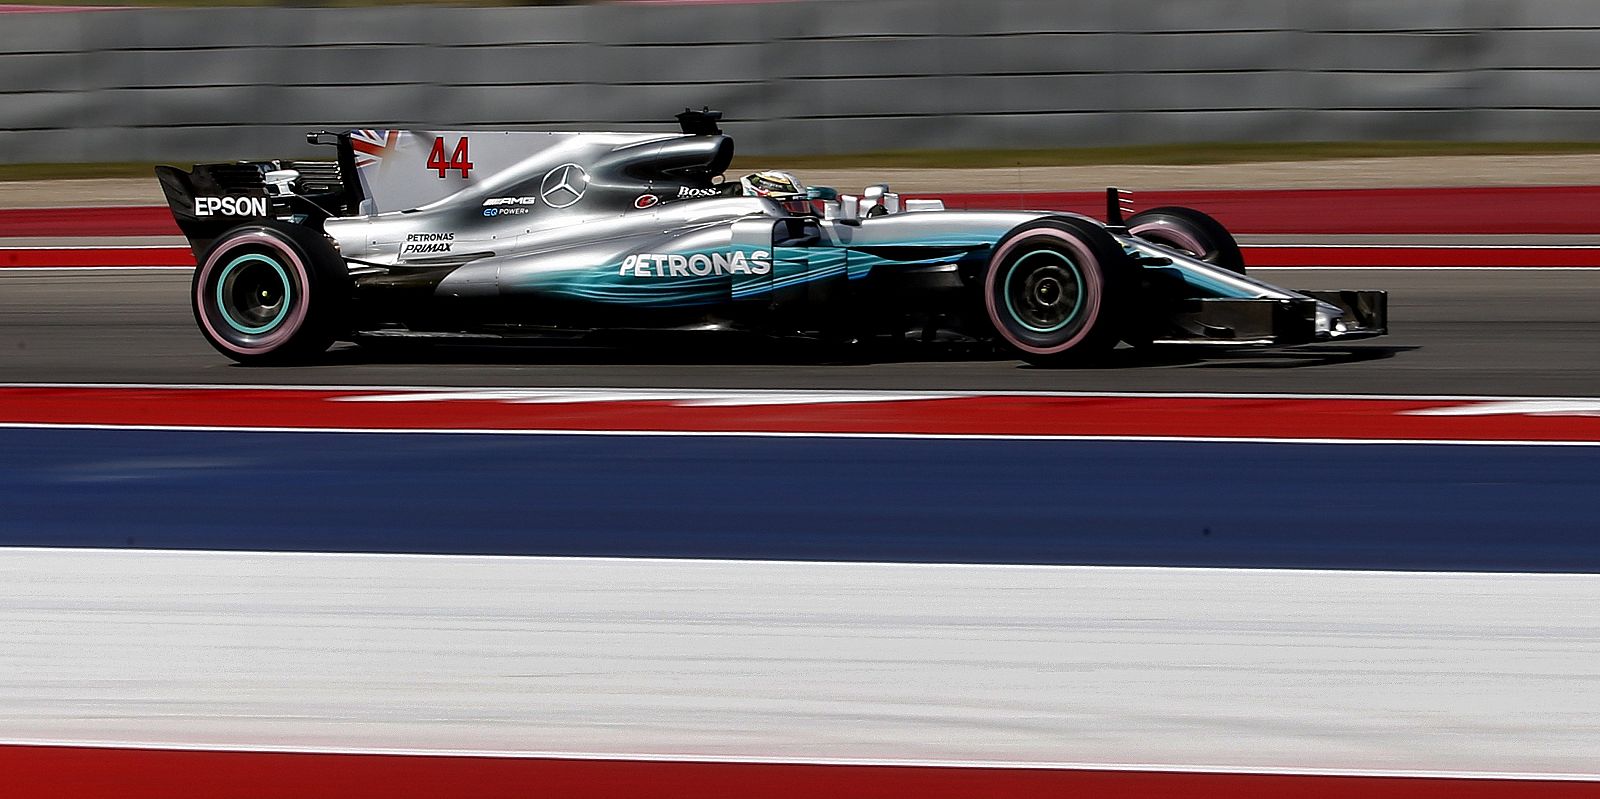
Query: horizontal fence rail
<point>825,76</point>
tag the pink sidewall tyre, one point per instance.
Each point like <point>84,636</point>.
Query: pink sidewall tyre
<point>1057,291</point>
<point>1189,231</point>
<point>269,292</point>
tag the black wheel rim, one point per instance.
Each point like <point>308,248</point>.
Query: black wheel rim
<point>1043,291</point>
<point>254,293</point>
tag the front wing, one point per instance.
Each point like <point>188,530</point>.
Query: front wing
<point>1316,316</point>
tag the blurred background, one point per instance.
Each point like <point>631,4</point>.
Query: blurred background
<point>1375,558</point>
<point>163,82</point>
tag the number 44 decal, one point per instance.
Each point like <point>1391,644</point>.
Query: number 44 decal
<point>459,159</point>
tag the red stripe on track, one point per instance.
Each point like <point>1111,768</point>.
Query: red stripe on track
<point>1337,256</point>
<point>92,773</point>
<point>1271,418</point>
<point>1527,210</point>
<point>139,220</point>
<point>89,257</point>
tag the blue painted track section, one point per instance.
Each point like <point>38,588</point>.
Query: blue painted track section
<point>1423,507</point>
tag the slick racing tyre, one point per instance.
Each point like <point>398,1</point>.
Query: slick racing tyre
<point>1057,291</point>
<point>270,292</point>
<point>1191,232</point>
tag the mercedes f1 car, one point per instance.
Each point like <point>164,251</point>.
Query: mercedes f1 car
<point>510,236</point>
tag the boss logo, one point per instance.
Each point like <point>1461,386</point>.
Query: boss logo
<point>684,192</point>
<point>230,206</point>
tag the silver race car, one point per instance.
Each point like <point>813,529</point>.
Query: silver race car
<point>516,236</point>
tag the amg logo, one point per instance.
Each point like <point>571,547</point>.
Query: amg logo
<point>230,206</point>
<point>685,192</point>
<point>493,202</point>
<point>696,265</point>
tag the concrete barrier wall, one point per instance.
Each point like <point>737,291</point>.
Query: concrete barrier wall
<point>825,76</point>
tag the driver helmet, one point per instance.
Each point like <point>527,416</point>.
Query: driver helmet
<point>781,187</point>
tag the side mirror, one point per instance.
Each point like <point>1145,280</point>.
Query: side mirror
<point>879,201</point>
<point>823,193</point>
<point>848,208</point>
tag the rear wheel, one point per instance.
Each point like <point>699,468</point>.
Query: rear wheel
<point>1057,291</point>
<point>1189,231</point>
<point>270,292</point>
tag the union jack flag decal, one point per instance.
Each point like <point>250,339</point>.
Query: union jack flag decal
<point>372,146</point>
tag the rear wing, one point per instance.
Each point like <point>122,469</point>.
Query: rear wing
<point>377,171</point>
<point>211,198</point>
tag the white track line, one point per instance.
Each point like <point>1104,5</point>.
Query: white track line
<point>1310,268</point>
<point>1285,246</point>
<point>79,247</point>
<point>1443,675</point>
<point>909,394</point>
<point>557,561</point>
<point>5,269</point>
<point>809,435</point>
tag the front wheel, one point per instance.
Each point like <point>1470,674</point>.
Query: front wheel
<point>1057,291</point>
<point>270,292</point>
<point>1191,232</point>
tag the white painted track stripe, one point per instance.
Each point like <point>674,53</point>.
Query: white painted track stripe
<point>1255,269</point>
<point>11,269</point>
<point>910,394</point>
<point>1257,671</point>
<point>175,245</point>
<point>786,434</point>
<point>1291,246</point>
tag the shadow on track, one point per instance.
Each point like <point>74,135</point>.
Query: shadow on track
<point>1300,358</point>
<point>687,350</point>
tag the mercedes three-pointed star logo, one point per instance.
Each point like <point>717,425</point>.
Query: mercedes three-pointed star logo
<point>564,185</point>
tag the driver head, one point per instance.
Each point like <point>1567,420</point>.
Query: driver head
<point>781,187</point>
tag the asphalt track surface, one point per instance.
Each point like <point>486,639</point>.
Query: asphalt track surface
<point>1469,332</point>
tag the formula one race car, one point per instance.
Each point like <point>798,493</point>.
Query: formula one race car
<point>508,236</point>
